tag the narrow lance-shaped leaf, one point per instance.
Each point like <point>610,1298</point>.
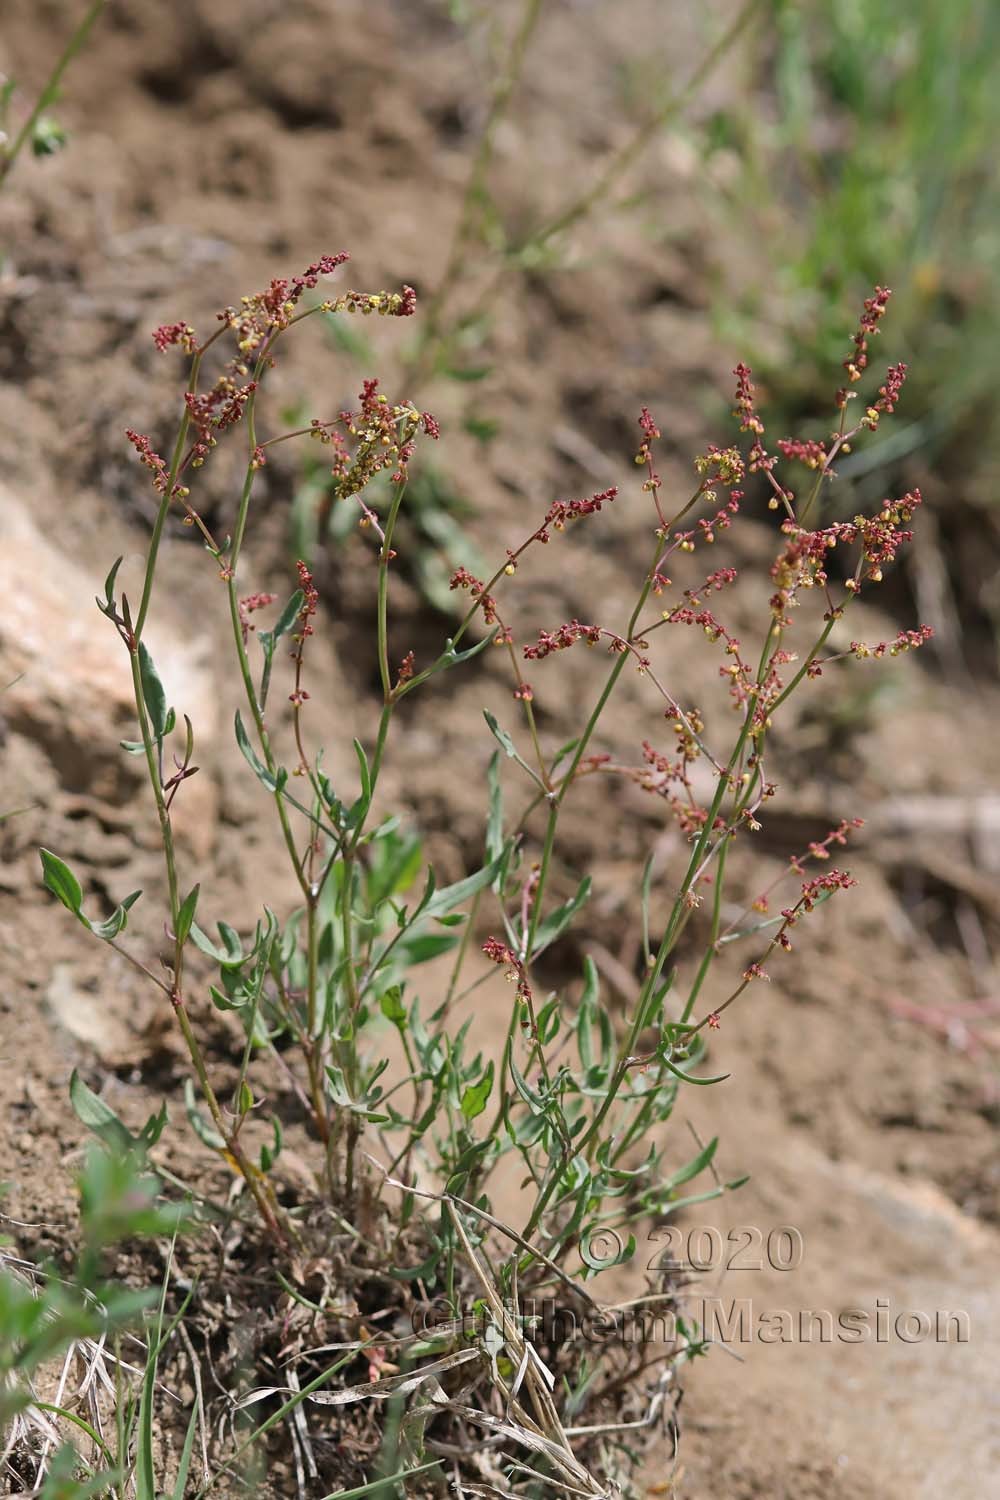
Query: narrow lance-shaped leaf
<point>250,755</point>
<point>506,744</point>
<point>533,1100</point>
<point>696,1165</point>
<point>358,810</point>
<point>557,922</point>
<point>205,1132</point>
<point>644,892</point>
<point>270,638</point>
<point>366,775</point>
<point>494,822</point>
<point>689,1077</point>
<point>585,1013</point>
<point>455,658</point>
<point>230,956</point>
<point>109,588</point>
<point>92,1111</point>
<point>61,881</point>
<point>450,896</point>
<point>186,915</point>
<point>152,692</point>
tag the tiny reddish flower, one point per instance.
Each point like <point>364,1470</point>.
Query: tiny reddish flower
<point>874,311</point>
<point>246,608</point>
<point>169,334</point>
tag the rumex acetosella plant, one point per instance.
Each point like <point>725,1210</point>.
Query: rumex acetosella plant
<point>467,1379</point>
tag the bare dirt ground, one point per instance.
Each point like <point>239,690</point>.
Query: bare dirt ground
<point>214,145</point>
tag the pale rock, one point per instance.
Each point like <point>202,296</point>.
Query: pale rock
<point>72,696</point>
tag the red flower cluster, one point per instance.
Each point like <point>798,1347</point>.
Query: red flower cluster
<point>463,579</point>
<point>310,599</point>
<point>401,304</point>
<point>717,580</point>
<point>745,411</point>
<point>561,511</point>
<point>874,311</point>
<point>499,953</point>
<point>802,563</point>
<point>668,779</point>
<point>906,640</point>
<point>264,314</point>
<point>888,395</point>
<point>152,461</point>
<point>385,436</point>
<point>821,848</point>
<point>758,459</point>
<point>246,608</point>
<point>720,466</point>
<point>559,640</point>
<point>686,541</point>
<point>881,536</point>
<point>325,266</point>
<point>169,334</point>
<point>832,880</point>
<point>406,667</point>
<point>812,454</point>
<point>214,410</point>
<point>644,457</point>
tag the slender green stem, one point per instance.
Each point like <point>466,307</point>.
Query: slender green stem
<point>579,751</point>
<point>384,560</point>
<point>300,864</point>
<point>150,751</point>
<point>620,162</point>
<point>551,825</point>
<point>166,500</point>
<point>554,809</point>
<point>461,955</point>
<point>817,648</point>
<point>710,949</point>
<point>137,964</point>
<point>678,915</point>
<point>253,704</point>
<point>475,188</point>
<point>51,89</point>
<point>378,754</point>
<point>260,1189</point>
<point>314,1060</point>
<point>581,206</point>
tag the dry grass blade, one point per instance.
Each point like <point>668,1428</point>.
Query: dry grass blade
<point>495,1223</point>
<point>395,1385</point>
<point>305,1461</point>
<point>546,1434</point>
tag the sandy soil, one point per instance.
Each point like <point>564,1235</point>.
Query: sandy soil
<point>217,144</point>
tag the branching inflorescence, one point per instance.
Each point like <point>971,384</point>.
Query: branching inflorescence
<point>575,1095</point>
